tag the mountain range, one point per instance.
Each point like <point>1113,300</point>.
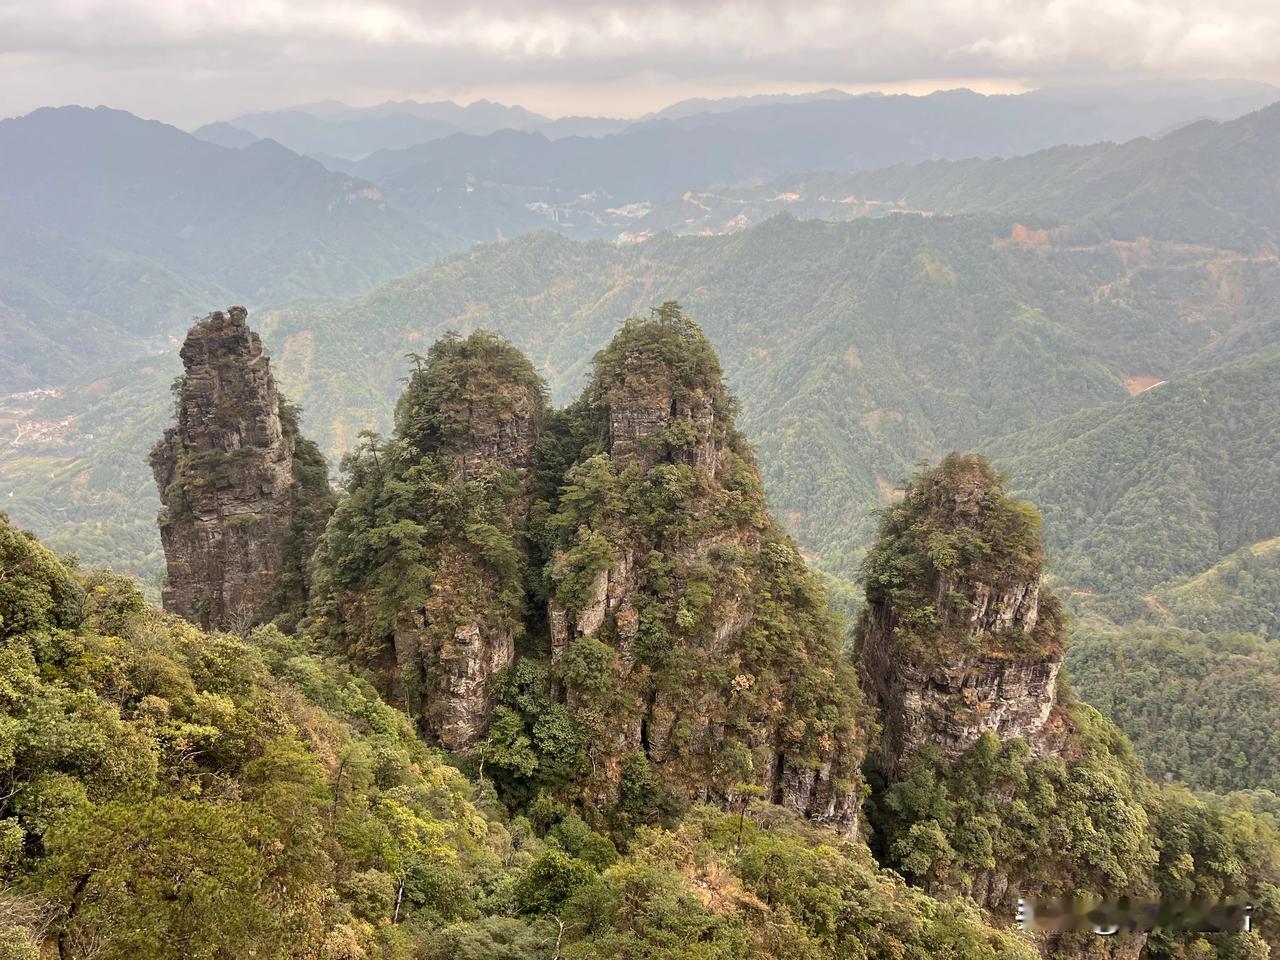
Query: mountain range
<point>116,229</point>
<point>1080,113</point>
<point>780,527</point>
<point>988,318</point>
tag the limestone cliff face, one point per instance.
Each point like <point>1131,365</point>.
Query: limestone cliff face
<point>723,667</point>
<point>448,651</point>
<point>644,405</point>
<point>963,643</point>
<point>952,700</point>
<point>450,648</point>
<point>236,503</point>
<point>441,630</point>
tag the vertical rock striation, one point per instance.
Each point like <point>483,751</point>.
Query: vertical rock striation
<point>424,565</point>
<point>957,638</point>
<point>670,580</point>
<point>239,509</point>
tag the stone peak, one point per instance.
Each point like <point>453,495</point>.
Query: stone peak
<point>661,388</point>
<point>477,401</point>
<point>220,334</point>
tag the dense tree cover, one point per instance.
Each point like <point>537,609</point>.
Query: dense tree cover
<point>1241,593</point>
<point>1001,816</point>
<point>170,793</point>
<point>176,794</point>
<point>1157,488</point>
<point>1091,826</point>
<point>1203,708</point>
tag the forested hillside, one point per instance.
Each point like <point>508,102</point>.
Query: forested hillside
<point>857,349</point>
<point>173,794</point>
<point>1203,708</point>
<point>1209,182</point>
<point>1160,487</point>
<point>118,229</point>
<point>1206,183</point>
<point>1241,593</point>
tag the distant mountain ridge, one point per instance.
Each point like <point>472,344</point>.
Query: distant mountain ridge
<point>860,348</point>
<point>349,133</point>
<point>166,220</point>
<point>583,182</point>
<point>1208,182</point>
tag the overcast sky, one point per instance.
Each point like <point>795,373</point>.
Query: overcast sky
<point>190,61</point>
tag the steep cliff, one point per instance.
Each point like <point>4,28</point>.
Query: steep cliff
<point>244,495</point>
<point>423,566</point>
<point>990,778</point>
<point>685,632</point>
<point>958,638</point>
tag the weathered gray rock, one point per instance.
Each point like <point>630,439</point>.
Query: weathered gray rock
<point>644,405</point>
<point>991,659</point>
<point>951,701</point>
<point>448,652</point>
<point>226,478</point>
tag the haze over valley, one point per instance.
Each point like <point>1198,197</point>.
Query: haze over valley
<point>681,484</point>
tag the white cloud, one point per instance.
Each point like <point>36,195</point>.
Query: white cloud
<point>182,59</point>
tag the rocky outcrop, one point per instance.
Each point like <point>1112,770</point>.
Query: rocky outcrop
<point>972,645</point>
<point>651,418</point>
<point>465,433</point>
<point>448,651</point>
<point>712,624</point>
<point>233,496</point>
<point>501,433</point>
<point>960,647</point>
<point>951,701</point>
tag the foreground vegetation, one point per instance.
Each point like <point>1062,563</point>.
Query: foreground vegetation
<point>174,794</point>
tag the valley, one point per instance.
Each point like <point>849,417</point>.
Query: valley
<point>799,525</point>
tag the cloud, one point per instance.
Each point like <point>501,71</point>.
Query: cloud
<point>183,58</point>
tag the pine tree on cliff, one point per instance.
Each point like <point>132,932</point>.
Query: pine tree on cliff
<point>421,572</point>
<point>244,495</point>
<point>692,647</point>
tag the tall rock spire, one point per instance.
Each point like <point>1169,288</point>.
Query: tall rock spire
<point>958,637</point>
<point>242,494</point>
<point>422,567</point>
<point>681,619</point>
